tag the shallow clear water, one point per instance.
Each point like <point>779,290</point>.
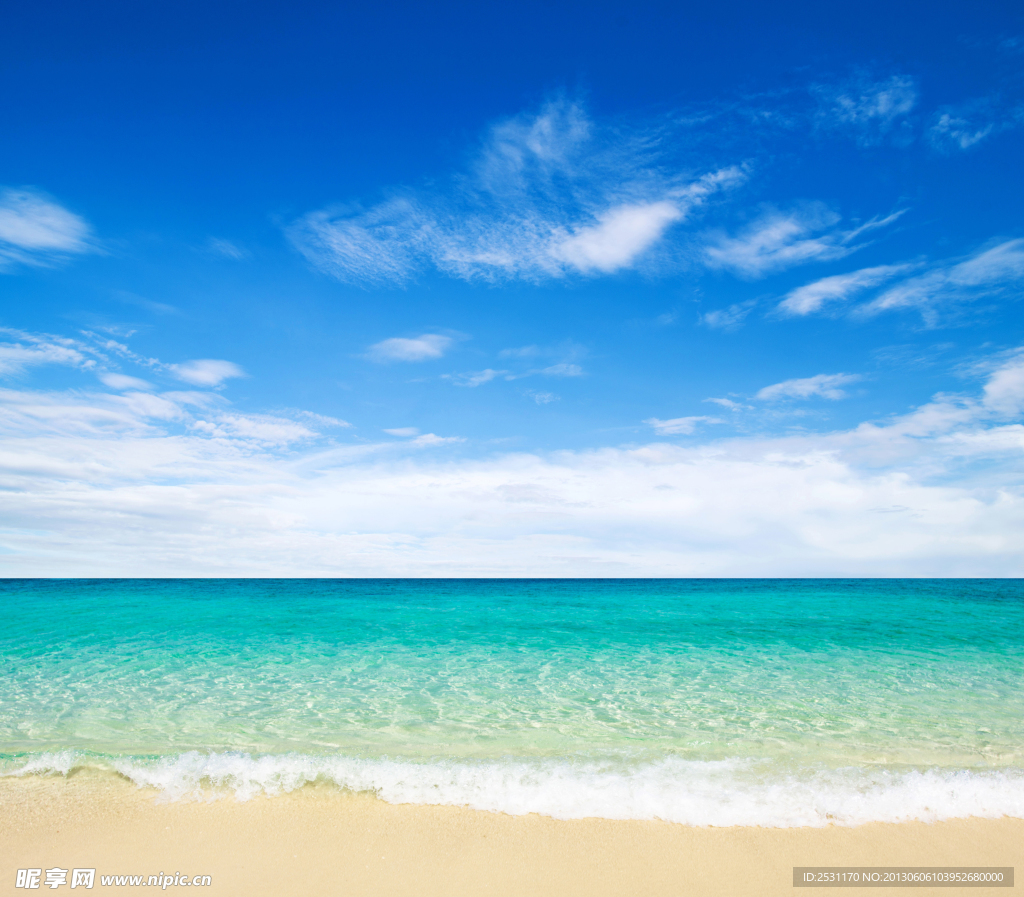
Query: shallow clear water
<point>717,701</point>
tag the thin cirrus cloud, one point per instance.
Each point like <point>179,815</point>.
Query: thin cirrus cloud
<point>874,109</point>
<point>779,240</point>
<point>728,318</point>
<point>559,369</point>
<point>988,272</point>
<point>813,297</point>
<point>36,230</point>
<point>27,350</point>
<point>962,127</point>
<point>547,196</point>
<point>679,426</point>
<point>226,249</point>
<point>124,382</point>
<point>474,378</point>
<point>206,371</point>
<point>825,386</point>
<point>425,347</point>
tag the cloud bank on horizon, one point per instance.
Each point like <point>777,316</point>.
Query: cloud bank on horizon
<point>156,483</point>
<point>774,329</point>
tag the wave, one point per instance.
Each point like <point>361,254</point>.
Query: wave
<point>719,793</point>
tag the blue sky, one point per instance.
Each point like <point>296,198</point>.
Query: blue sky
<point>558,289</point>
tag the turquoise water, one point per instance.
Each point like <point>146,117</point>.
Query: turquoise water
<point>712,702</point>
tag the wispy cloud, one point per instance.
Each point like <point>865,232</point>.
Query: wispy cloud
<point>159,308</point>
<point>548,195</point>
<point>425,347</point>
<point>264,429</point>
<point>403,432</point>
<point>871,108</point>
<point>813,297</point>
<point>988,272</point>
<point>473,378</point>
<point>206,371</point>
<point>563,357</point>
<point>826,386</point>
<point>226,248</point>
<point>961,127</point>
<point>728,318</point>
<point>956,131</point>
<point>730,404</point>
<point>36,230</point>
<point>431,440</point>
<point>521,352</point>
<point>27,350</point>
<point>124,382</point>
<point>563,369</point>
<point>779,240</point>
<point>679,426</point>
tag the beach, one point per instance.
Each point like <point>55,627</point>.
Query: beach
<point>319,841</point>
<point>509,737</point>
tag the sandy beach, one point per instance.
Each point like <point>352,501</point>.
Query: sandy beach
<point>320,841</point>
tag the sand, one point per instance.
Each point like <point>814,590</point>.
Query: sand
<point>319,841</point>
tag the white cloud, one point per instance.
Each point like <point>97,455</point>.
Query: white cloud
<point>679,426</point>
<point>620,235</point>
<point>123,381</point>
<point>988,272</point>
<point>563,369</point>
<point>954,131</point>
<point>811,298</point>
<point>263,429</point>
<point>827,386</point>
<point>1003,394</point>
<point>91,486</point>
<point>521,352</point>
<point>35,230</point>
<point>226,248</point>
<point>473,378</point>
<point>323,420</point>
<point>779,240</point>
<point>728,318</point>
<point>961,127</point>
<point>421,348</point>
<point>870,108</point>
<point>541,398</point>
<point>549,195</point>
<point>206,371</point>
<point>403,431</point>
<point>29,350</point>
<point>730,404</point>
<point>430,440</point>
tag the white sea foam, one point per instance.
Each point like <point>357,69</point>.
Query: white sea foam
<point>735,792</point>
<point>47,763</point>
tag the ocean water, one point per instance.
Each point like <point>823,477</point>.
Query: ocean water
<point>708,702</point>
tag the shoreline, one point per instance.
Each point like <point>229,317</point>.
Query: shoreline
<point>319,840</point>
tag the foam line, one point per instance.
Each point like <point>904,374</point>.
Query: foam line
<point>734,792</point>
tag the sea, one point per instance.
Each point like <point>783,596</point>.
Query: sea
<point>706,702</point>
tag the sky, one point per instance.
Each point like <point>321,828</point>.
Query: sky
<point>542,289</point>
